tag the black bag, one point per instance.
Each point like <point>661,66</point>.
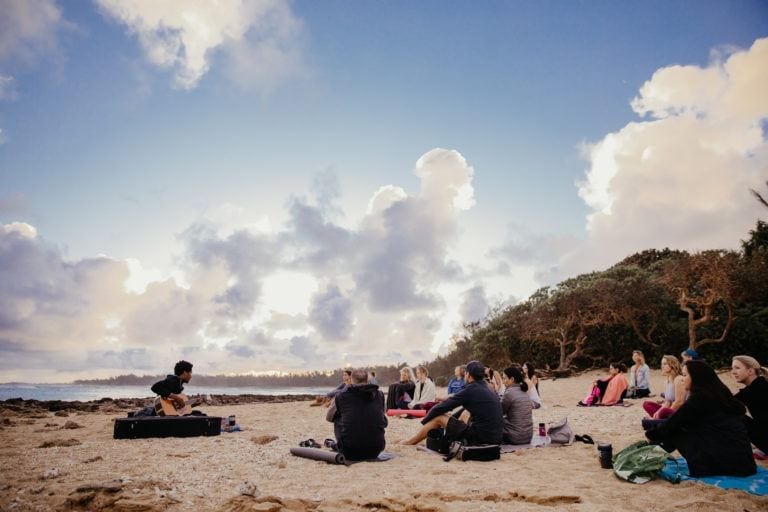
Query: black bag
<point>166,426</point>
<point>482,452</point>
<point>437,441</point>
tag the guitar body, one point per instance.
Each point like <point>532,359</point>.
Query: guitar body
<point>167,407</point>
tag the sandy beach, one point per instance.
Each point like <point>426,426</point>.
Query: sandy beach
<point>57,462</point>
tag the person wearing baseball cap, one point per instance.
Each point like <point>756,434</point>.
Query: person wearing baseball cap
<point>486,421</point>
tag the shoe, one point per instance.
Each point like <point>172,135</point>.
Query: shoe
<point>309,443</point>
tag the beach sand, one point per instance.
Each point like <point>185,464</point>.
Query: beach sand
<point>96,472</point>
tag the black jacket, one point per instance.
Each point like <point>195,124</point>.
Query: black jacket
<point>755,397</point>
<point>359,421</point>
<point>171,384</point>
<point>713,440</point>
<point>487,421</point>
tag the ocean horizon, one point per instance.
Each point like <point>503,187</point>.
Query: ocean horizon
<point>87,392</point>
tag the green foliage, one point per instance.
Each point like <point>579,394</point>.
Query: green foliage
<point>657,301</point>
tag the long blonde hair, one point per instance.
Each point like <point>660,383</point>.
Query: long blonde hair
<point>408,371</point>
<point>751,362</point>
<point>674,365</point>
<point>642,356</point>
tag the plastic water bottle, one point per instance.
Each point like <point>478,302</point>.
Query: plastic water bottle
<point>541,438</point>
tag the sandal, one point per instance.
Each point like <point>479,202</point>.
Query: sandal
<point>331,443</point>
<point>309,443</point>
<point>586,439</point>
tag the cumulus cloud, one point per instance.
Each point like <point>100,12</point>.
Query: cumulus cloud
<point>331,313</point>
<point>474,305</point>
<point>310,292</point>
<point>261,40</point>
<point>680,177</point>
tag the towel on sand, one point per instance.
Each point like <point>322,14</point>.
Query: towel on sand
<point>677,470</point>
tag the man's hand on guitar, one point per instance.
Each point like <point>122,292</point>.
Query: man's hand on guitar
<point>177,399</point>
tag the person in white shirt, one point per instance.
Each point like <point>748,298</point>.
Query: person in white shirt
<point>424,393</point>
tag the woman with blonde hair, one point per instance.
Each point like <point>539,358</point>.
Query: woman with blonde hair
<point>400,393</point>
<point>674,395</point>
<point>747,370</point>
<point>639,377</point>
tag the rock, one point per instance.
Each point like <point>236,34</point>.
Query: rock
<point>62,414</point>
<point>51,473</point>
<point>51,425</point>
<point>93,459</point>
<point>111,486</point>
<point>248,489</point>
<point>264,439</point>
<point>72,425</point>
<point>60,442</point>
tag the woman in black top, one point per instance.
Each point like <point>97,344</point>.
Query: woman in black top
<point>747,370</point>
<point>708,429</point>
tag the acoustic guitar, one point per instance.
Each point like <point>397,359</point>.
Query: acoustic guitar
<point>167,407</point>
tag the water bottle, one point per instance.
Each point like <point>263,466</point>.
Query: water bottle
<point>541,438</point>
<point>606,455</point>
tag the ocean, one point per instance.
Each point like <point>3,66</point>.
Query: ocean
<point>84,392</point>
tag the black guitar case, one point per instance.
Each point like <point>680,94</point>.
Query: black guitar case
<point>167,426</point>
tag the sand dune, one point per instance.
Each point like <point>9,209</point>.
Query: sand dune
<point>47,466</point>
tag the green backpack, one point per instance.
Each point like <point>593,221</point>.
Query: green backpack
<point>640,462</point>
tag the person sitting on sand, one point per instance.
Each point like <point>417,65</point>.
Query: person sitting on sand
<point>747,370</point>
<point>400,393</point>
<point>173,385</point>
<point>674,395</point>
<point>346,376</point>
<point>516,407</point>
<point>486,420</point>
<point>708,430</point>
<point>610,390</point>
<point>493,378</point>
<point>372,377</point>
<point>457,382</point>
<point>639,377</point>
<point>424,390</point>
<point>358,419</point>
<point>532,380</point>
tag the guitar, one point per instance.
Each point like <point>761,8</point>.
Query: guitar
<point>168,407</point>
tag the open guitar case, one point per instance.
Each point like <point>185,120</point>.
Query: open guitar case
<point>166,426</point>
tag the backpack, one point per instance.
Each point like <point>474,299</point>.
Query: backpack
<point>561,432</point>
<point>640,462</point>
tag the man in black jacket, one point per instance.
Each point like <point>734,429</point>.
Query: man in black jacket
<point>172,386</point>
<point>486,421</point>
<point>358,419</point>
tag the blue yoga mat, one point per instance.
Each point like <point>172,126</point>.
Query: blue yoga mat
<point>755,484</point>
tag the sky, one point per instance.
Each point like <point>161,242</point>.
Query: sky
<point>261,186</point>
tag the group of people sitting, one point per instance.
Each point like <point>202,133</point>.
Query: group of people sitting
<point>713,429</point>
<point>478,409</point>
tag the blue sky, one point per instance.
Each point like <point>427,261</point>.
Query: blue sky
<point>108,152</point>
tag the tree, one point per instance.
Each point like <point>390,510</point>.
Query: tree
<point>563,316</point>
<point>701,283</point>
<point>631,295</point>
<point>759,197</point>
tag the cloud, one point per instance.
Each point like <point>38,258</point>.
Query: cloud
<point>331,313</point>
<point>261,40</point>
<point>681,177</point>
<point>28,30</point>
<point>308,293</point>
<point>474,304</point>
<point>8,90</point>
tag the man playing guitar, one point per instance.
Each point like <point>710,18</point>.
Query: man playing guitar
<point>170,391</point>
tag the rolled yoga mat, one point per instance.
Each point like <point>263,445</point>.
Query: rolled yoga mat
<point>319,454</point>
<point>415,413</point>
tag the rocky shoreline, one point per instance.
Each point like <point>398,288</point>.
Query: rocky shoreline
<point>31,407</point>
